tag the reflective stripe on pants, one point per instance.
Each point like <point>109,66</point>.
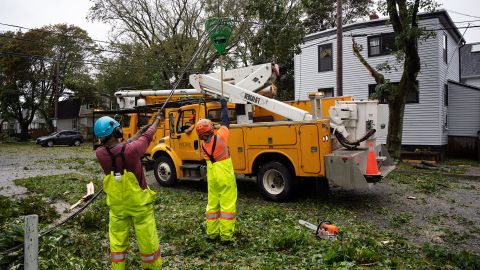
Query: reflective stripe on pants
<point>130,205</point>
<point>222,199</point>
<point>118,256</point>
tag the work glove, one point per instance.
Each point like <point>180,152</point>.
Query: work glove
<point>145,128</point>
<point>223,102</point>
<point>158,115</point>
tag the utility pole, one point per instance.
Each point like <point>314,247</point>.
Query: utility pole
<point>339,50</point>
<point>55,98</point>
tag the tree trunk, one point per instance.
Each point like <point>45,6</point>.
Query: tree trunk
<point>24,136</point>
<point>1,124</point>
<point>395,127</point>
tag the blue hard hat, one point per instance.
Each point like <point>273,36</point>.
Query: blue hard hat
<point>104,126</point>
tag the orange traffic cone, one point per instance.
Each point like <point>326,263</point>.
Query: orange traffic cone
<point>371,173</point>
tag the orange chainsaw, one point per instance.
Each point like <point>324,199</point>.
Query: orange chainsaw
<point>325,229</point>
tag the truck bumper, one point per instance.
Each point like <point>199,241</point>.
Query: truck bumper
<point>346,168</point>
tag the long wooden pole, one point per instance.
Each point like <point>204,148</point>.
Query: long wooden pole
<point>221,72</point>
<point>339,49</point>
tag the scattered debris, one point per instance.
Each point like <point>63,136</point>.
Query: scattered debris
<point>90,192</point>
<point>411,197</point>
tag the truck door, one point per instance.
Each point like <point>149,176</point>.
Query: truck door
<point>185,141</point>
<point>309,151</point>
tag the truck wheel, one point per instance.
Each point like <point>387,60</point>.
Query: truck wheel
<point>165,171</point>
<point>275,181</point>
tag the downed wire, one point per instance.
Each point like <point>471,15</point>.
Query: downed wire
<point>20,246</point>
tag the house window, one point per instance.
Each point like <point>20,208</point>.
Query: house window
<point>381,45</point>
<point>412,95</point>
<point>445,94</point>
<point>74,123</point>
<point>445,42</point>
<point>325,57</point>
<point>327,92</point>
<point>371,91</point>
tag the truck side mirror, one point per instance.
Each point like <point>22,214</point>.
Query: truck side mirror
<point>171,122</point>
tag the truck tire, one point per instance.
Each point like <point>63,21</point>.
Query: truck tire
<point>275,181</point>
<point>165,173</point>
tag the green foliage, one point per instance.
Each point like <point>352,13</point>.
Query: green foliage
<point>27,82</point>
<point>95,217</point>
<point>401,219</point>
<point>322,15</point>
<point>66,187</point>
<point>425,182</point>
<point>29,205</point>
<point>442,258</point>
<point>375,235</point>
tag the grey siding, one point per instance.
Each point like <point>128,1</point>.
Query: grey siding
<point>421,120</point>
<point>464,110</point>
<point>472,81</point>
<point>64,124</point>
<point>447,71</point>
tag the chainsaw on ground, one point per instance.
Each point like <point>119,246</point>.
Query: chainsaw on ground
<point>325,229</point>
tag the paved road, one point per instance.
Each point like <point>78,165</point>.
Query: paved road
<point>22,161</point>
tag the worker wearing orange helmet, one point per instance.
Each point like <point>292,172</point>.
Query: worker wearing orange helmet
<point>222,186</point>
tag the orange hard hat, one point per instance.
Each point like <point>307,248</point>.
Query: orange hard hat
<point>204,126</point>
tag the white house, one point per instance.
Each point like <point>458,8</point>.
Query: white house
<point>426,112</point>
<point>470,64</point>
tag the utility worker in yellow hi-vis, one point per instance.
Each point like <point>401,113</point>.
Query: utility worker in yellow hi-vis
<point>129,198</point>
<point>222,187</point>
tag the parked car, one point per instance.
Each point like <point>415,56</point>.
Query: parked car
<point>64,137</point>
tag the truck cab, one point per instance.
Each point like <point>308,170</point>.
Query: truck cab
<point>178,156</point>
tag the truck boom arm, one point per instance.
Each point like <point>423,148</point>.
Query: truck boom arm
<point>243,92</point>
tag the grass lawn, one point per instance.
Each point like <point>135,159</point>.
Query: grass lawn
<point>380,230</point>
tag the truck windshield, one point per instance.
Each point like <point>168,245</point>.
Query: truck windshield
<point>215,115</point>
<point>126,121</point>
<point>186,119</point>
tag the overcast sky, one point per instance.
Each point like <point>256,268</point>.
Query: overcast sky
<point>37,13</point>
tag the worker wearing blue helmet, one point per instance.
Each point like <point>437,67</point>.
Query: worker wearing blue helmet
<point>128,196</point>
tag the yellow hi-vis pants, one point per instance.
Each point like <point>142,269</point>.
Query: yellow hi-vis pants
<point>222,199</point>
<point>130,204</point>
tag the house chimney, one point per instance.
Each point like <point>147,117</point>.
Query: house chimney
<point>373,16</point>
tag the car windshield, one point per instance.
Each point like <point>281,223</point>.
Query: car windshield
<point>54,133</point>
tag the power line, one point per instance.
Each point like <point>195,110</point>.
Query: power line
<point>71,36</point>
<point>20,246</point>
<point>468,21</point>
<point>89,62</point>
<point>384,33</point>
<point>468,15</point>
<point>52,32</point>
<point>40,40</point>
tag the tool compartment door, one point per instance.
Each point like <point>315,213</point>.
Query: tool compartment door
<point>237,148</point>
<point>271,135</point>
<point>309,149</point>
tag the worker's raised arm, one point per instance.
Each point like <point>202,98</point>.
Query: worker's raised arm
<point>225,119</point>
